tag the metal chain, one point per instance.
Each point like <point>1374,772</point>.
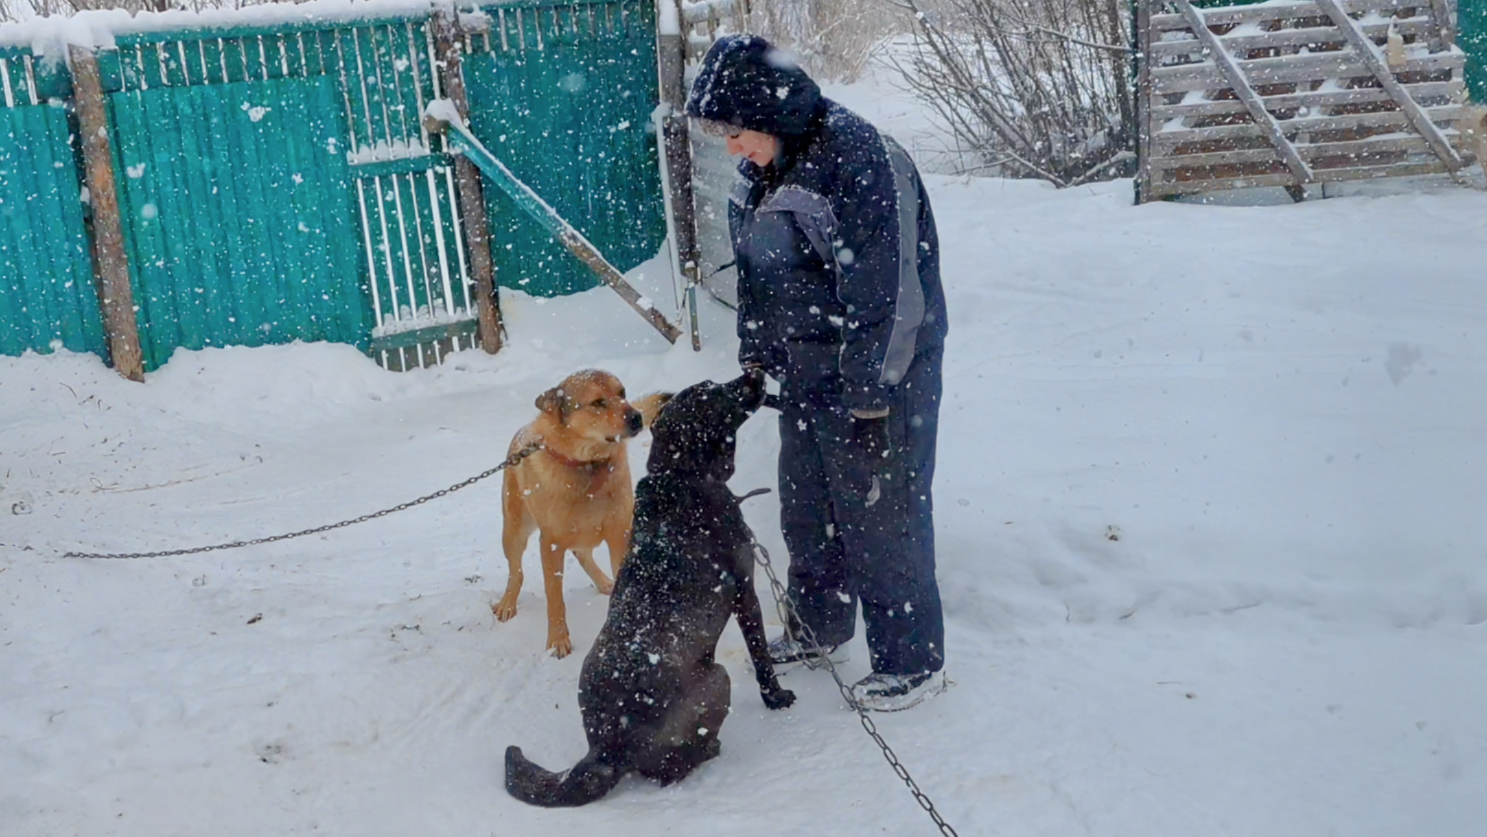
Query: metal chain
<point>788,617</point>
<point>510,460</point>
<point>783,605</point>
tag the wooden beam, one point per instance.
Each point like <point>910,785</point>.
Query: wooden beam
<point>1246,94</point>
<point>1308,99</point>
<point>1289,68</point>
<point>1312,151</point>
<point>1231,15</point>
<point>1422,25</point>
<point>438,118</point>
<point>115,294</point>
<point>448,47</point>
<point>1368,53</point>
<point>1191,187</point>
<point>676,161</point>
<point>1145,100</point>
<point>1164,141</point>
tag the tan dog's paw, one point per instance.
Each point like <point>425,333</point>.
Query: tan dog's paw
<point>560,646</point>
<point>504,609</point>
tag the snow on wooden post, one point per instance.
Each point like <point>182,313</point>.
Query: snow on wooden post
<point>115,294</point>
<point>442,116</point>
<point>677,161</point>
<point>447,48</point>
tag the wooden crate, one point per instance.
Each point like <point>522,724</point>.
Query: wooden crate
<point>1285,94</point>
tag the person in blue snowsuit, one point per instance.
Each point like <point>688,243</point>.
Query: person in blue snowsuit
<point>839,299</point>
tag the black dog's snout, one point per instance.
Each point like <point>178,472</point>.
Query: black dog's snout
<point>633,421</point>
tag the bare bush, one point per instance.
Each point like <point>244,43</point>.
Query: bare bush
<point>24,9</point>
<point>1035,89</point>
<point>833,39</point>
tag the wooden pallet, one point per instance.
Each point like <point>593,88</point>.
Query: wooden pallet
<point>1286,94</point>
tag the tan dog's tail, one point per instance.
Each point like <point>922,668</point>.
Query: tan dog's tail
<point>650,405</point>
<point>586,782</point>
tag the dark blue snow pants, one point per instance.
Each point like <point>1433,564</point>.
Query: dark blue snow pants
<point>847,545</point>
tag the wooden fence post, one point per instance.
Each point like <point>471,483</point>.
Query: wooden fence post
<point>671,51</point>
<point>1141,23</point>
<point>115,295</point>
<point>448,49</point>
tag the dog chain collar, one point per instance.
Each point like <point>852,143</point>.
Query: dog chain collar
<point>575,463</point>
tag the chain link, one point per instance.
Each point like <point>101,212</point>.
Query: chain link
<point>510,460</point>
<point>786,610</point>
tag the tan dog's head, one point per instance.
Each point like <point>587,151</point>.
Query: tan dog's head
<point>591,405</point>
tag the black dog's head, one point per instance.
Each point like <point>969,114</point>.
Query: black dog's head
<point>695,434</point>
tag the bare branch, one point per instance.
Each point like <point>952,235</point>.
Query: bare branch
<point>1035,89</point>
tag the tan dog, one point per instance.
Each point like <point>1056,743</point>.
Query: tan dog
<point>576,491</point>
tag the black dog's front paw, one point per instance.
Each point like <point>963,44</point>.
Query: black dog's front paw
<point>778,698</point>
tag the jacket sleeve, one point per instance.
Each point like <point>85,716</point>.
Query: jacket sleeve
<point>876,248</point>
<point>752,347</point>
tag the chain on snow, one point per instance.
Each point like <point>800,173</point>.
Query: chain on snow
<point>786,609</point>
<point>782,603</point>
<point>510,460</point>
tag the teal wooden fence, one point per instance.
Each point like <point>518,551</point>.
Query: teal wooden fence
<point>276,182</point>
<point>47,296</point>
<point>236,236</point>
<point>1471,20</point>
<point>577,82</point>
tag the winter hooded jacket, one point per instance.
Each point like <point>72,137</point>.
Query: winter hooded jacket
<point>837,256</point>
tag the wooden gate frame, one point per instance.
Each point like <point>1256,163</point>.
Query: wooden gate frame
<point>1205,97</point>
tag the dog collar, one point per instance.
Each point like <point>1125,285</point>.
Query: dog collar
<point>575,463</point>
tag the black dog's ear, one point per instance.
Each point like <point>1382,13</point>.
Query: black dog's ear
<point>555,401</point>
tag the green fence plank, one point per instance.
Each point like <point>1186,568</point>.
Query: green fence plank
<point>253,216</point>
<point>235,298</point>
<point>170,113</point>
<point>159,329</point>
<point>46,289</point>
<point>199,222</point>
<point>31,275</point>
<point>68,250</point>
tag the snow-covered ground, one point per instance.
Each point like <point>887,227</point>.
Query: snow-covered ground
<point>1211,528</point>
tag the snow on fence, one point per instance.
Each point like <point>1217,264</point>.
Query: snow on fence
<point>275,181</point>
<point>1291,93</point>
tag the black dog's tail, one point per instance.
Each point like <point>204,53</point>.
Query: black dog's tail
<point>585,782</point>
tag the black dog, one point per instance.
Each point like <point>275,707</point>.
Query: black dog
<point>651,695</point>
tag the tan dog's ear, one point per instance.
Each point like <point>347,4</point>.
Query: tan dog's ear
<point>650,405</point>
<point>554,401</point>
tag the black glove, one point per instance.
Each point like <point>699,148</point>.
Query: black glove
<point>870,435</point>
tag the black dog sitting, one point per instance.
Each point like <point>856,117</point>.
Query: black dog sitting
<point>651,695</point>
